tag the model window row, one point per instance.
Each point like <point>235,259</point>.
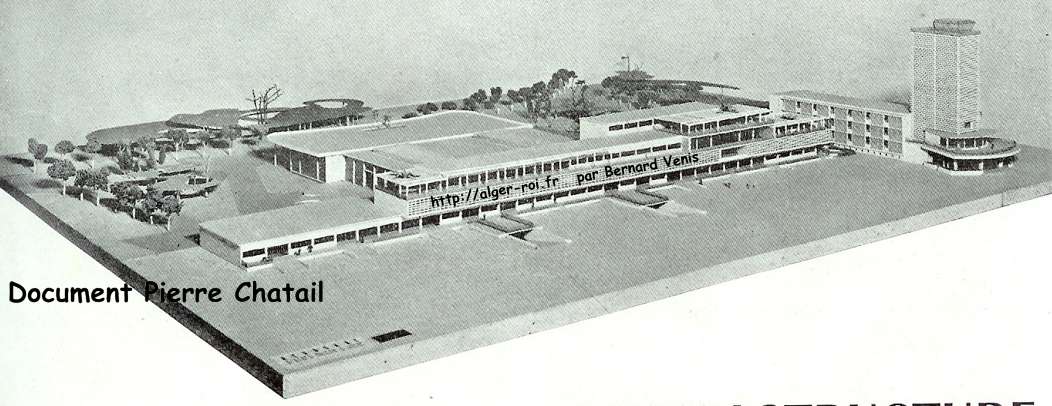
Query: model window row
<point>519,172</point>
<point>634,124</point>
<point>832,111</point>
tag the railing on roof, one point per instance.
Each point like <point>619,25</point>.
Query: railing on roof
<point>996,146</point>
<point>537,176</point>
<point>720,129</point>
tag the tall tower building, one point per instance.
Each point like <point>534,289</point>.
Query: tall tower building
<point>945,92</point>
<point>945,100</point>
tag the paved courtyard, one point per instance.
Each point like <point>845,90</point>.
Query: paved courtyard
<point>455,277</point>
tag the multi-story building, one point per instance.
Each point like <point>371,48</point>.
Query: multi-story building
<point>868,126</point>
<point>454,166</point>
<point>941,127</point>
<point>946,103</point>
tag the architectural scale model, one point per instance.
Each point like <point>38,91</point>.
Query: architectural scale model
<point>385,244</point>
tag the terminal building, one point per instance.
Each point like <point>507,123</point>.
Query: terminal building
<point>462,165</point>
<point>448,167</point>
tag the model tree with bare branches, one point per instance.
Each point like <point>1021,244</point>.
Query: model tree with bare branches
<point>261,102</point>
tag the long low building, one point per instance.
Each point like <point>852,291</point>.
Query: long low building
<point>300,229</point>
<point>463,165</point>
<point>319,153</point>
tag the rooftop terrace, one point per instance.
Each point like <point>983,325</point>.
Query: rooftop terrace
<point>949,26</point>
<point>292,220</point>
<point>643,114</point>
<point>861,104</point>
<point>705,116</point>
<point>341,140</point>
<point>495,149</point>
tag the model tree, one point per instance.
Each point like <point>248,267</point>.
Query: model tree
<point>118,191</point>
<point>92,147</point>
<point>179,137</point>
<point>449,105</point>
<point>151,202</point>
<point>479,96</point>
<point>495,93</point>
<point>38,150</point>
<point>41,152</point>
<point>148,145</point>
<point>125,161</point>
<point>170,205</point>
<point>230,134</point>
<point>128,195</point>
<point>562,78</point>
<point>62,170</point>
<point>91,179</point>
<point>524,95</point>
<point>202,137</point>
<point>31,147</point>
<point>64,147</point>
<point>427,108</point>
<point>471,104</point>
<point>261,102</point>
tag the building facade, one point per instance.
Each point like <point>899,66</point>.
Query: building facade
<point>698,141</point>
<point>868,126</point>
<point>946,102</point>
<point>425,180</point>
<point>455,166</point>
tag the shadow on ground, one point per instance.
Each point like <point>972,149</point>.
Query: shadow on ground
<point>47,184</point>
<point>163,242</point>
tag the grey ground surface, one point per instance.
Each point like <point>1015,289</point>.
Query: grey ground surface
<point>459,277</point>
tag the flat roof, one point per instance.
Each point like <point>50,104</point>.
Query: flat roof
<point>643,114</point>
<point>511,147</point>
<point>976,133</point>
<point>311,112</point>
<point>949,26</point>
<point>341,140</point>
<point>427,158</point>
<point>704,116</point>
<point>127,133</point>
<point>541,151</point>
<point>213,119</point>
<point>930,30</point>
<point>861,104</point>
<point>293,220</point>
<point>460,155</point>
